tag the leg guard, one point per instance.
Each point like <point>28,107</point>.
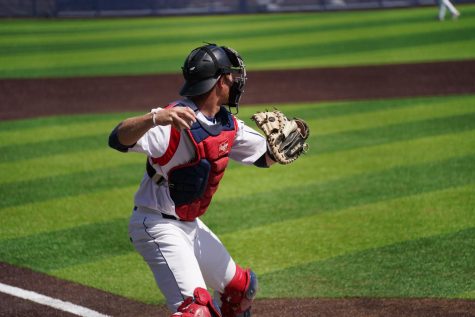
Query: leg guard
<point>239,294</point>
<point>200,305</point>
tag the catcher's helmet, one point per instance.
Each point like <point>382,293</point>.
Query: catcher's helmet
<point>205,64</point>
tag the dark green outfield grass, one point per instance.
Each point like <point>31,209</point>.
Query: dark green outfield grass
<point>437,266</point>
<point>382,205</point>
<point>91,47</point>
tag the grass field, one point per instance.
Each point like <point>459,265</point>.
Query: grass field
<point>382,205</point>
<point>51,48</point>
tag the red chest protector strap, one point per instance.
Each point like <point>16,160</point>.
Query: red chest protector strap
<point>172,145</point>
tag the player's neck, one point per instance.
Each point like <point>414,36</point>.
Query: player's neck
<point>209,104</point>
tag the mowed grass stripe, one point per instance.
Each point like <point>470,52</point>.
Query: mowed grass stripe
<point>353,228</point>
<point>148,58</point>
<point>56,122</point>
<point>27,151</point>
<point>79,208</point>
<point>386,118</point>
<point>303,26</point>
<point>29,27</point>
<point>391,133</point>
<point>151,54</point>
<point>28,191</point>
<point>127,275</point>
<point>466,295</point>
<point>405,54</point>
<point>312,198</point>
<point>82,244</point>
<point>401,269</point>
<point>46,132</point>
<point>341,117</point>
<point>324,143</point>
<point>350,230</point>
<point>46,188</point>
<point>316,278</point>
<point>438,266</point>
<point>102,37</point>
<point>140,37</point>
<point>103,30</point>
<point>97,33</point>
<point>382,56</point>
<point>326,117</point>
<point>384,133</point>
<point>264,58</point>
<point>77,27</point>
<point>66,212</point>
<point>331,166</point>
<point>57,127</point>
<point>337,109</point>
<point>63,164</point>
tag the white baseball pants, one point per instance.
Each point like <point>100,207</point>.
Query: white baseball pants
<point>182,255</point>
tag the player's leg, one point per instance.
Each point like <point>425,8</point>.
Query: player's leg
<point>442,10</point>
<point>167,247</point>
<point>237,287</point>
<point>239,293</point>
<point>451,8</point>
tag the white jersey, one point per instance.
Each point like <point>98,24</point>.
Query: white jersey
<point>248,146</point>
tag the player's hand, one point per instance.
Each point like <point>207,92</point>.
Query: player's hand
<point>179,117</point>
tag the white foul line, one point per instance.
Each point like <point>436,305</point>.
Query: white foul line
<point>49,301</point>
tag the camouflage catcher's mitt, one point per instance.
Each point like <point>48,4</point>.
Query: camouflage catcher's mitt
<point>286,139</point>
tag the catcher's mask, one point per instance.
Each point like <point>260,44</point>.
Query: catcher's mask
<point>204,66</point>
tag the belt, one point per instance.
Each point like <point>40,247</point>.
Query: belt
<point>165,216</point>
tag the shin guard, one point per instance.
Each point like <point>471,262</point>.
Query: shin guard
<point>239,294</point>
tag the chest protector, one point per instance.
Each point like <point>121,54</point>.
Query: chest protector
<point>192,185</point>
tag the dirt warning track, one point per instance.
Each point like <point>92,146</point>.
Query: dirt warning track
<point>113,305</point>
<point>26,98</point>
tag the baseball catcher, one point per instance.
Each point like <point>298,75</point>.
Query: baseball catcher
<point>188,144</point>
<point>286,138</point>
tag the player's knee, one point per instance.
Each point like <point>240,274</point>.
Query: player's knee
<point>239,294</point>
<point>200,305</point>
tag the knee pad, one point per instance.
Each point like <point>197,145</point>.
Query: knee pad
<point>239,294</point>
<point>200,305</point>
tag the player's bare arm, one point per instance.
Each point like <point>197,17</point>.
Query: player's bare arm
<point>132,129</point>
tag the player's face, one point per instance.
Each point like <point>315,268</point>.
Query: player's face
<point>228,82</point>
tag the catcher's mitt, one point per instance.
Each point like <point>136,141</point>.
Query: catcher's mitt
<point>285,138</point>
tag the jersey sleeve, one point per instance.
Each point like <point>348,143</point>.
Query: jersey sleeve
<point>154,142</point>
<point>249,145</point>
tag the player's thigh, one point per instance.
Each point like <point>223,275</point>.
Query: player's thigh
<point>216,263</point>
<point>170,255</point>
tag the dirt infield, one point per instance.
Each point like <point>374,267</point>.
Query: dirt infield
<point>25,98</point>
<point>113,305</point>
